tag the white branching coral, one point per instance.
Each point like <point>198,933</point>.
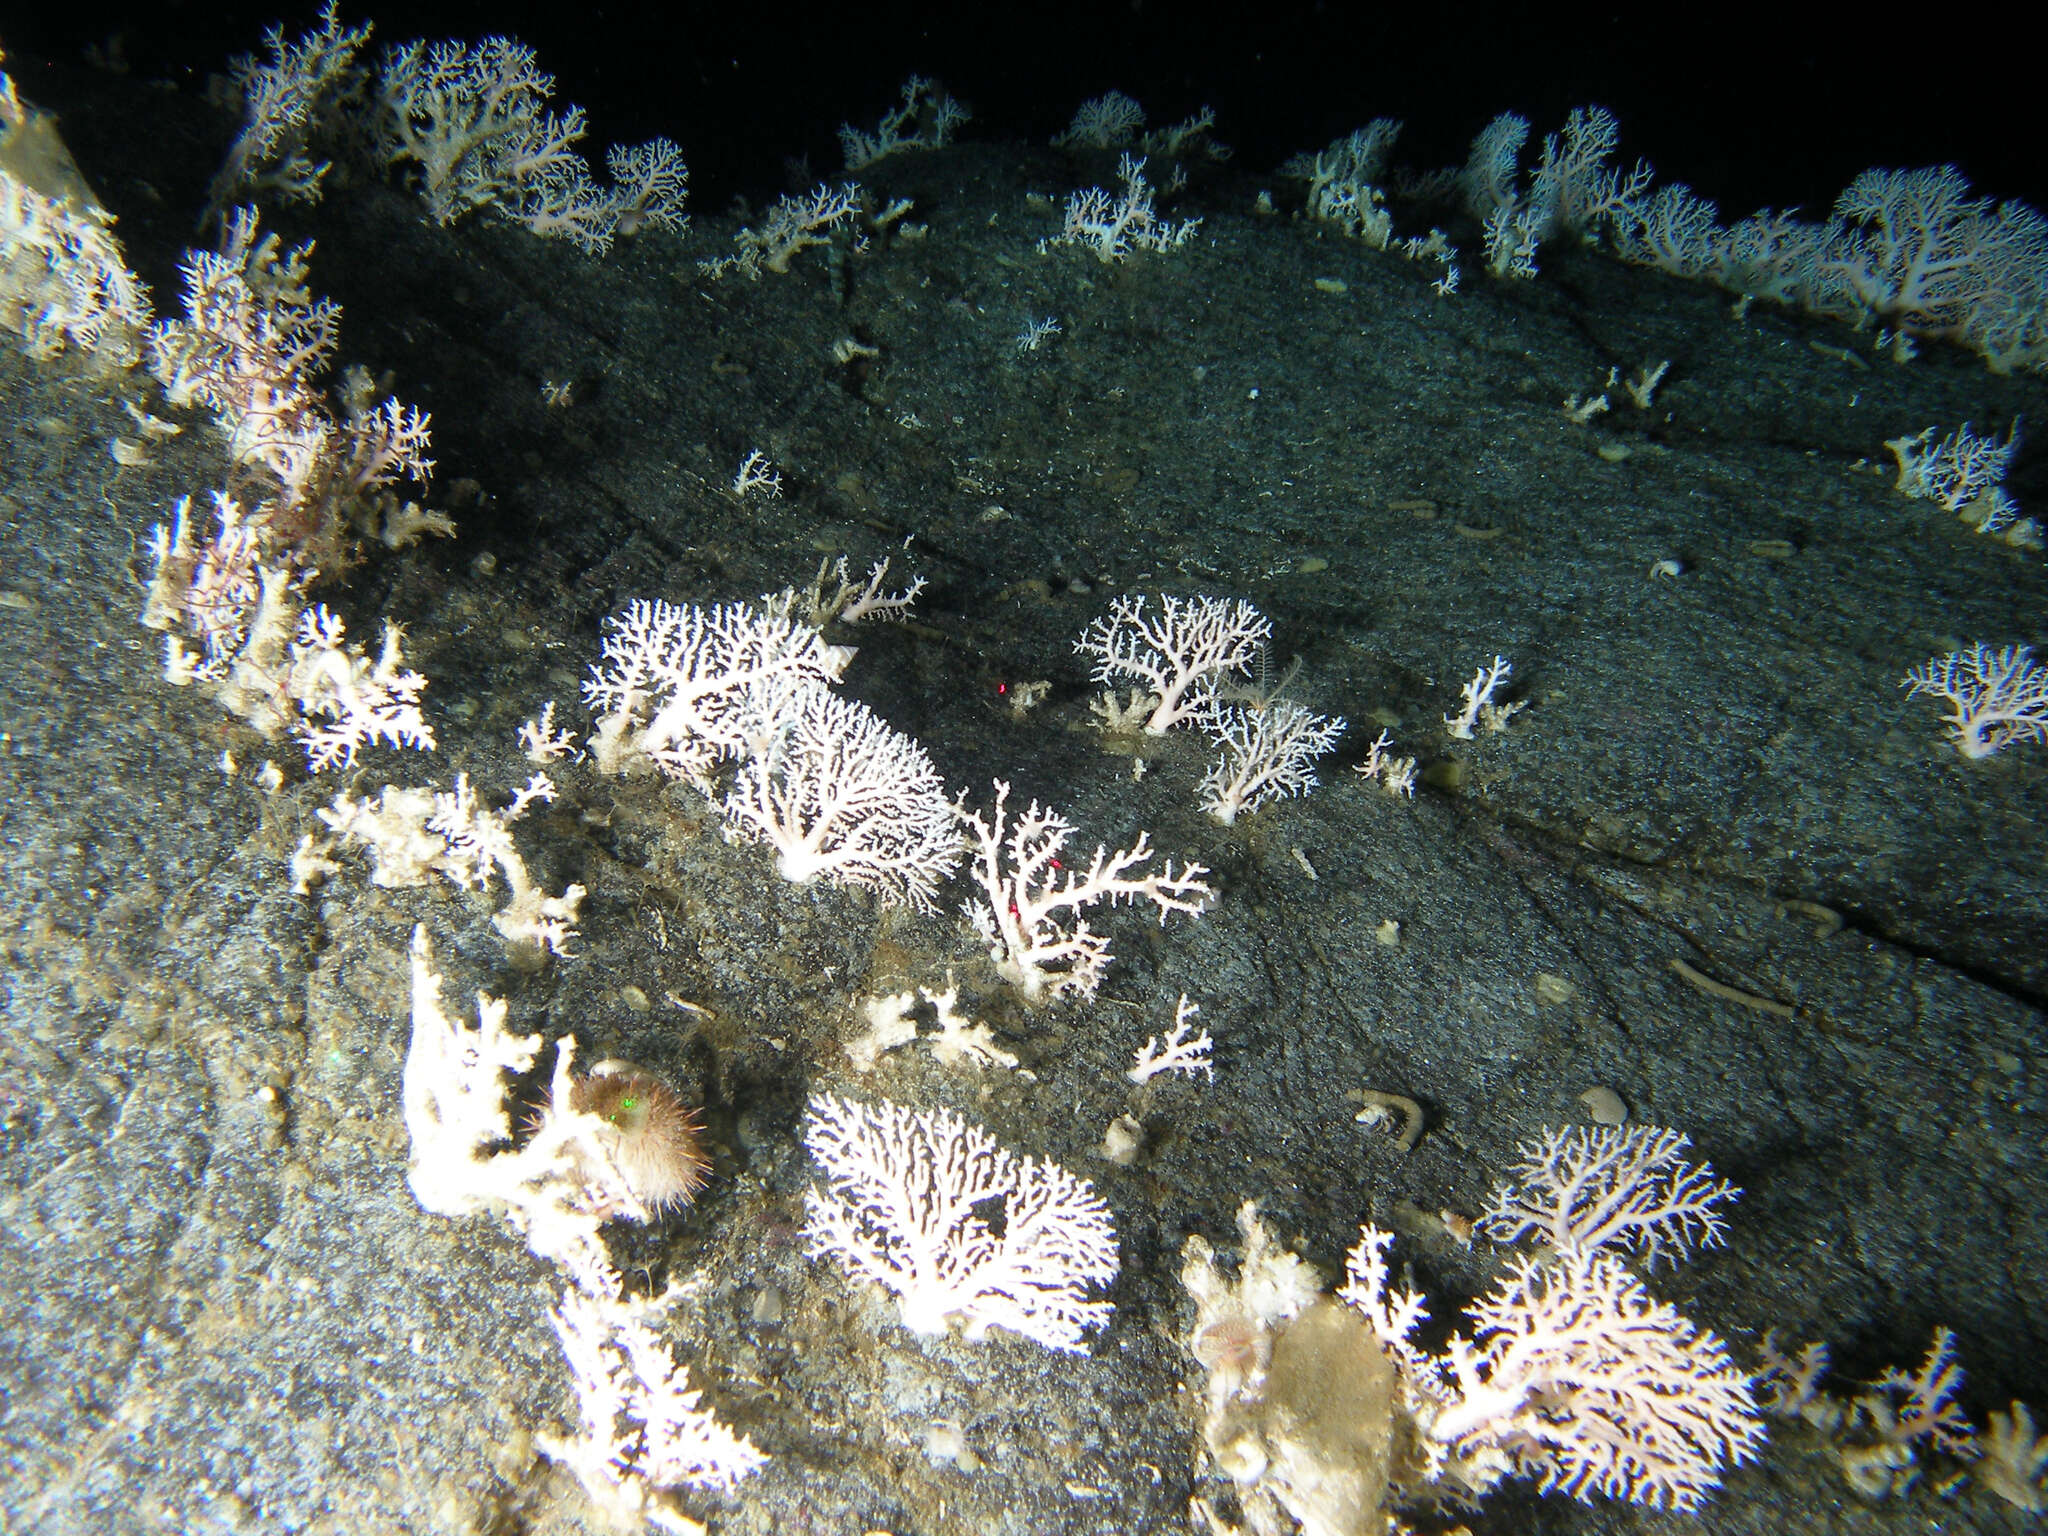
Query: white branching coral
<point>1788,1386</point>
<point>1878,1431</point>
<point>899,1208</point>
<point>473,121</point>
<point>284,100</point>
<point>1103,122</point>
<point>1581,1379</point>
<point>839,793</point>
<point>1574,189</point>
<point>1626,1187</point>
<point>1183,1052</point>
<point>1572,1373</point>
<point>1029,909</point>
<point>792,224</point>
<point>542,741</point>
<point>641,1431</point>
<point>558,1186</point>
<point>475,125</point>
<point>272,671</point>
<point>1113,226</point>
<point>1904,1406</point>
<point>1396,775</point>
<point>414,835</point>
<point>346,700</point>
<point>1268,754</point>
<point>1680,232</point>
<point>757,477</point>
<point>1393,1315</point>
<point>64,284</point>
<point>833,596</point>
<point>2015,1464</point>
<point>1486,183</point>
<point>454,1092</point>
<point>680,687</point>
<point>1575,1374</point>
<point>650,184</point>
<point>959,1040</point>
<point>562,202</point>
<point>924,118</point>
<point>1479,705</point>
<point>1177,657</point>
<point>1965,472</point>
<point>1916,248</point>
<point>1345,181</point>
<point>1996,698</point>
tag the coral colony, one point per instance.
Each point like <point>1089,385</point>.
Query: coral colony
<point>1571,1374</point>
<point>899,1208</point>
<point>1568,1371</point>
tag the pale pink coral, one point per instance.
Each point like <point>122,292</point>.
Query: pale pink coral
<point>839,793</point>
<point>1030,903</point>
<point>64,283</point>
<point>1997,698</point>
<point>642,1430</point>
<point>1627,1187</point>
<point>900,1209</point>
<point>248,348</point>
<point>1268,754</point>
<point>681,687</point>
<point>1574,1374</point>
<point>1178,656</point>
<point>1590,1385</point>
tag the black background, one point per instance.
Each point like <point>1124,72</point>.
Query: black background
<point>1750,106</point>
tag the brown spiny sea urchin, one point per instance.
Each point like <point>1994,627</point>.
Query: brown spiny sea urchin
<point>652,1135</point>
